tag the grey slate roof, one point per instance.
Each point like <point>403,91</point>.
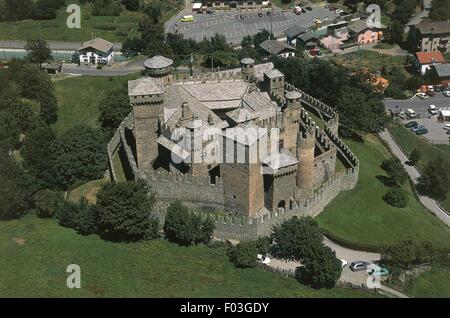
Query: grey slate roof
<point>443,70</point>
<point>279,160</point>
<point>293,95</point>
<point>434,27</point>
<point>247,60</point>
<point>157,62</point>
<point>145,86</point>
<point>99,44</point>
<point>295,31</point>
<point>306,37</point>
<point>275,47</point>
<point>273,73</point>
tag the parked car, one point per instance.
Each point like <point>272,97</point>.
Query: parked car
<point>412,124</point>
<point>414,129</point>
<point>379,271</point>
<point>344,262</point>
<point>268,13</point>
<point>411,113</point>
<point>447,127</point>
<point>308,8</point>
<point>338,11</point>
<point>260,15</point>
<point>431,93</point>
<point>421,131</point>
<point>263,259</point>
<point>422,95</point>
<point>432,110</point>
<point>446,93</point>
<point>317,21</point>
<point>358,266</point>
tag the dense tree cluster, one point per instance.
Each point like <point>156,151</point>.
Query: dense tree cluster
<point>16,10</point>
<point>361,109</point>
<point>243,255</point>
<point>440,10</point>
<point>113,109</point>
<point>185,228</point>
<point>435,179</point>
<point>397,176</point>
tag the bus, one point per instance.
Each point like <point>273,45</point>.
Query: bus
<point>187,18</point>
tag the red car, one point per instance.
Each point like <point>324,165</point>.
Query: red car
<point>431,93</point>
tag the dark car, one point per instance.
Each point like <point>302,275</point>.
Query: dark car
<point>412,124</point>
<point>308,8</point>
<point>241,16</point>
<point>260,15</point>
<point>431,93</point>
<point>269,13</point>
<point>421,131</point>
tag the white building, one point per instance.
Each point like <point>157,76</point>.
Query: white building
<point>96,51</point>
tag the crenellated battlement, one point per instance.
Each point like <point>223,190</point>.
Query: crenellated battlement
<point>223,76</point>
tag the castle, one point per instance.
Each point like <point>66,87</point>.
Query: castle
<point>239,141</point>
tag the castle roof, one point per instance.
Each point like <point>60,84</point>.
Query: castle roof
<point>145,86</point>
<point>158,62</point>
<point>273,73</point>
<point>293,95</point>
<point>247,61</point>
<point>280,160</point>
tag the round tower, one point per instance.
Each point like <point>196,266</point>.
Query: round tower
<point>159,66</point>
<point>293,99</point>
<point>305,156</point>
<point>248,69</point>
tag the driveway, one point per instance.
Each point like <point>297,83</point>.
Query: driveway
<point>430,204</point>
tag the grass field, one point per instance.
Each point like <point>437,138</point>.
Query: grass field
<point>430,152</point>
<point>38,252</point>
<point>79,98</point>
<point>362,218</point>
<point>88,190</point>
<point>57,30</point>
<point>432,284</point>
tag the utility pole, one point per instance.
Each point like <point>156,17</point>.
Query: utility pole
<point>212,62</point>
<point>271,21</point>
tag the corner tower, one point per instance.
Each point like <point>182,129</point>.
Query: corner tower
<point>305,154</point>
<point>248,69</point>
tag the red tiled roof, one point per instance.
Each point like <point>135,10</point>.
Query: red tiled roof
<point>430,57</point>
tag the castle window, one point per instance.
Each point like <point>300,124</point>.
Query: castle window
<point>281,145</point>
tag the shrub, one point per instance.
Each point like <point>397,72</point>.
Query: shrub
<point>78,216</point>
<point>244,254</point>
<point>47,202</point>
<point>396,197</point>
<point>435,179</point>
<point>415,156</point>
<point>397,174</point>
<point>185,228</point>
<point>124,212</point>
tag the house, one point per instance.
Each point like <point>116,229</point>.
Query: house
<point>280,49</point>
<point>361,33</point>
<point>308,41</point>
<point>293,33</point>
<point>425,60</point>
<point>444,115</point>
<point>96,51</point>
<point>334,41</point>
<point>442,71</point>
<point>53,67</point>
<point>431,36</point>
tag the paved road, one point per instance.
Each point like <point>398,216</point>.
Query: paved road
<point>234,28</point>
<point>430,204</point>
<point>351,255</point>
<point>420,106</point>
<point>54,45</point>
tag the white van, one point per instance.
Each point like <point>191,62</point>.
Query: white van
<point>432,110</point>
<point>411,113</point>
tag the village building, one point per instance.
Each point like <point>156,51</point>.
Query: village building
<point>442,72</point>
<point>361,33</point>
<point>96,52</point>
<point>424,61</point>
<point>431,36</point>
<point>277,48</point>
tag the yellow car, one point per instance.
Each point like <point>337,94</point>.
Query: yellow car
<point>187,18</point>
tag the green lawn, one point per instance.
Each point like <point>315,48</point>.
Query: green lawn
<point>410,141</point>
<point>79,97</point>
<point>57,29</point>
<point>38,252</point>
<point>432,284</point>
<point>88,190</point>
<point>361,218</point>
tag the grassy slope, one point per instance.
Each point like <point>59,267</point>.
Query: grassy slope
<point>79,97</point>
<point>149,269</point>
<point>363,218</point>
<point>88,190</point>
<point>410,141</point>
<point>57,29</point>
<point>432,284</point>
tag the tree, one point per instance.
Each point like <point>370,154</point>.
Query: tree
<point>131,5</point>
<point>415,156</point>
<point>79,216</point>
<point>124,212</point>
<point>38,155</point>
<point>47,203</point>
<point>262,36</point>
<point>113,109</point>
<point>397,174</point>
<point>244,254</point>
<point>407,253</point>
<point>178,226</point>
<point>48,108</point>
<point>321,267</point>
<point>396,197</point>
<point>38,51</point>
<point>79,155</point>
<point>435,179</point>
<point>9,132</point>
<point>440,10</point>
<point>293,238</point>
<point>185,228</point>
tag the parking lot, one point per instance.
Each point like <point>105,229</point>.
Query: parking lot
<point>235,26</point>
<point>436,132</point>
